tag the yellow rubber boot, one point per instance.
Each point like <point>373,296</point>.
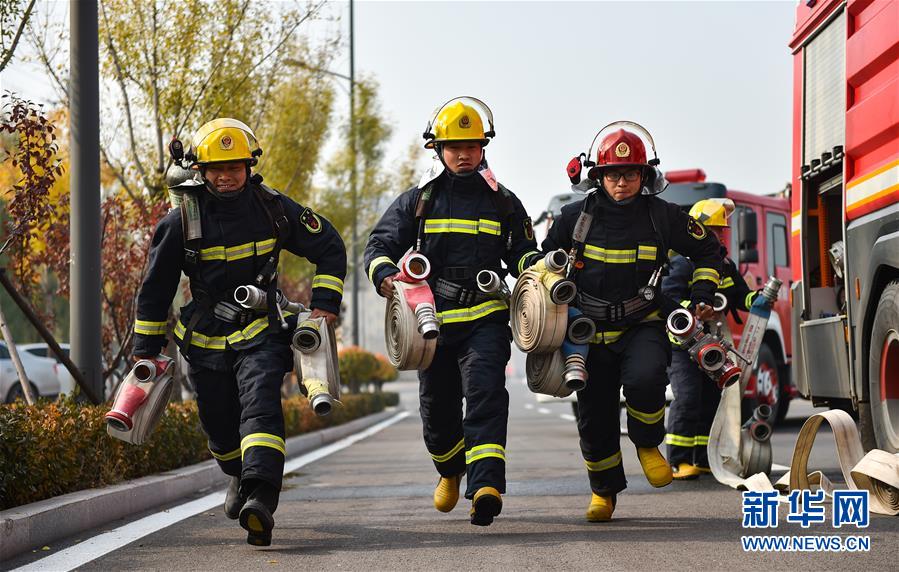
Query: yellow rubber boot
<point>486,504</point>
<point>686,472</point>
<point>446,495</point>
<point>655,467</point>
<point>601,508</point>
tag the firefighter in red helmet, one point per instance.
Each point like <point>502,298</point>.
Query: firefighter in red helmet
<point>618,238</point>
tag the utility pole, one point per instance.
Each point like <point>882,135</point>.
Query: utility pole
<point>354,263</point>
<point>84,95</point>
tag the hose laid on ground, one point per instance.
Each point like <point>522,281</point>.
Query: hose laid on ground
<point>538,324</point>
<point>315,362</point>
<point>545,374</point>
<point>877,471</point>
<point>407,348</point>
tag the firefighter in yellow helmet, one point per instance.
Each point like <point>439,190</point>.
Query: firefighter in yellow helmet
<point>229,231</point>
<point>463,221</point>
<point>696,396</point>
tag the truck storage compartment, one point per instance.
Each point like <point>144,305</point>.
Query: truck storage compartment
<point>826,357</point>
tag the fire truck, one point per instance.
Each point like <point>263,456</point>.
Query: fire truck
<point>845,211</point>
<point>758,242</point>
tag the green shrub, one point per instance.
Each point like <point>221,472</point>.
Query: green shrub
<point>58,447</point>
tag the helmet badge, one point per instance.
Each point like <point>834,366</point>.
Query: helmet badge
<point>226,142</point>
<point>622,150</point>
<point>465,122</point>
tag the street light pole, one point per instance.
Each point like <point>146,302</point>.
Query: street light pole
<point>354,263</point>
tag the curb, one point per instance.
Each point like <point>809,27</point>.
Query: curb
<point>40,523</point>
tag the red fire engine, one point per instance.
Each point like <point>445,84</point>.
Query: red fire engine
<point>845,210</point>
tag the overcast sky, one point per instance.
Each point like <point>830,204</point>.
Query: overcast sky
<point>710,80</point>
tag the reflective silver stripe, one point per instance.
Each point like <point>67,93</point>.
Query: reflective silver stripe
<point>647,252</point>
<point>440,225</point>
<point>706,274</point>
<point>489,227</point>
<point>265,246</point>
<point>374,265</point>
<point>452,453</point>
<point>261,440</point>
<point>485,451</point>
<point>647,418</point>
<point>328,281</point>
<point>609,462</point>
<point>610,256</point>
<point>238,252</point>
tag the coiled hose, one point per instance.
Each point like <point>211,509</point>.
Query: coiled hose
<point>407,348</point>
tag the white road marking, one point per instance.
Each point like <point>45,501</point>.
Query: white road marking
<point>567,417</point>
<point>544,410</point>
<point>91,549</point>
<point>776,467</point>
<point>528,405</point>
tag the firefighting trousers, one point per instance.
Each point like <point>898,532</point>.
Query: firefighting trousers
<point>240,410</point>
<point>470,366</point>
<point>637,361</point>
<point>691,413</point>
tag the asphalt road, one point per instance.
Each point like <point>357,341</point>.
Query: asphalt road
<point>368,507</point>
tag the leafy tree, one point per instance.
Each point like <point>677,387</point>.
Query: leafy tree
<point>14,16</point>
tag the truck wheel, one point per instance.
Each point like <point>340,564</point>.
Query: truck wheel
<point>768,382</point>
<point>883,370</point>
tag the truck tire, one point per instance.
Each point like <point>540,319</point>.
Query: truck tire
<point>770,387</point>
<point>883,370</point>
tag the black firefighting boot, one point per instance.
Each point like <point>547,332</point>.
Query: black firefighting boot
<point>233,499</point>
<point>256,515</point>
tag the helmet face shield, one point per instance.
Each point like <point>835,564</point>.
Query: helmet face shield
<point>460,119</point>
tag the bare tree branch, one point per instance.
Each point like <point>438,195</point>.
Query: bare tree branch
<point>47,61</point>
<point>15,41</point>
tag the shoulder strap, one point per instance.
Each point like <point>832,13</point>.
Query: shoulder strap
<point>579,234</point>
<point>658,216</point>
<point>274,208</point>
<point>422,208</point>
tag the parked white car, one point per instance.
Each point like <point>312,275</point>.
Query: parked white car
<point>66,383</point>
<point>41,372</point>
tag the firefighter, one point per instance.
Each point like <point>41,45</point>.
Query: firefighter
<point>696,395</point>
<point>237,357</point>
<point>618,237</point>
<point>463,221</point>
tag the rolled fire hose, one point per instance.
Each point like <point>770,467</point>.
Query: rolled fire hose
<point>539,323</point>
<point>315,362</point>
<point>140,400</point>
<point>411,327</point>
<point>877,471</point>
<point>546,374</point>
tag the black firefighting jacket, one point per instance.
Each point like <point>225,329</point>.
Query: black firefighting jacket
<point>680,278</point>
<point>238,237</point>
<point>464,231</point>
<point>626,244</point>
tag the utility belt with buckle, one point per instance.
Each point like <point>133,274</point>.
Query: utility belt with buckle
<point>234,314</point>
<point>604,311</point>
<point>456,293</point>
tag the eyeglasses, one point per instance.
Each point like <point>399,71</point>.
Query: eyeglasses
<point>629,176</point>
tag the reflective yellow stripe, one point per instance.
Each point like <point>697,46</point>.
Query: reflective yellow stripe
<point>524,258</point>
<point>265,246</point>
<point>685,303</point>
<point>610,256</point>
<point>239,252</point>
<point>328,281</point>
<point>701,440</point>
<point>607,337</point>
<point>374,265</point>
<point>680,440</point>
<point>647,418</point>
<point>226,456</point>
<point>605,464</point>
<point>727,282</point>
<point>452,453</point>
<point>462,226</point>
<point>647,252</point>
<point>149,328</point>
<point>200,340</point>
<point>485,451</point>
<point>750,298</point>
<point>706,274</point>
<point>261,440</point>
<point>473,313</point>
<point>489,227</point>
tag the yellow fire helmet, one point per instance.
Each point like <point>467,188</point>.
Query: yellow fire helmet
<point>225,139</point>
<point>713,212</point>
<point>460,119</point>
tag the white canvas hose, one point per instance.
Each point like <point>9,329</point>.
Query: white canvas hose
<point>538,324</point>
<point>140,401</point>
<point>407,348</point>
<point>315,362</point>
<point>545,374</point>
